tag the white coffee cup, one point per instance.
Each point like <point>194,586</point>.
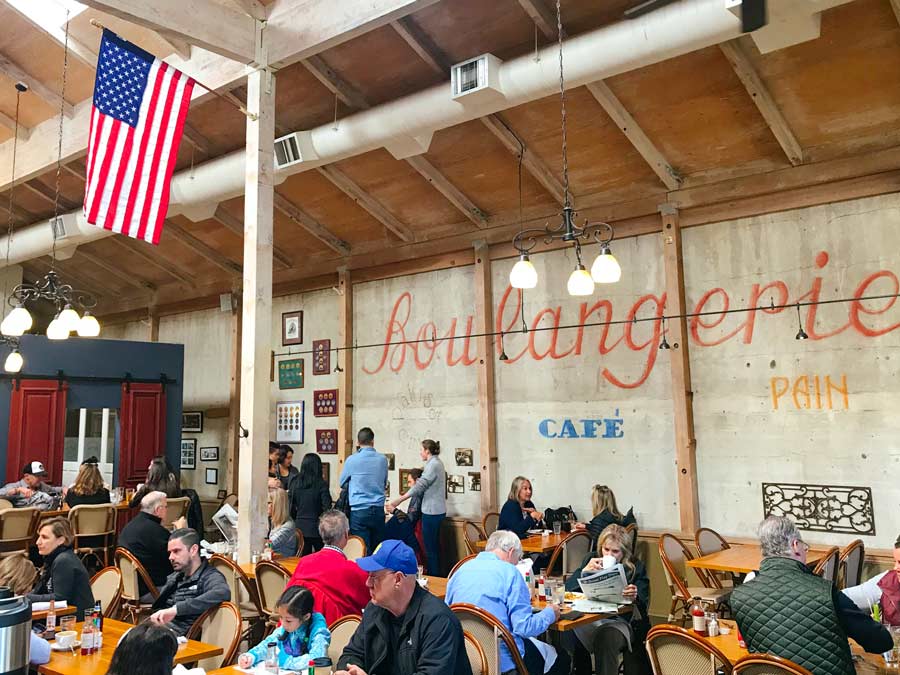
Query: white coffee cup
<point>66,638</point>
<point>608,561</point>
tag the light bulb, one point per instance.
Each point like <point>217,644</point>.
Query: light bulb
<point>57,330</point>
<point>16,322</point>
<point>13,362</point>
<point>606,269</point>
<point>523,274</point>
<point>88,326</point>
<point>69,318</point>
<point>580,282</point>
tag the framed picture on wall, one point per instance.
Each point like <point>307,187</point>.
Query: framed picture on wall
<point>404,477</point>
<point>192,422</point>
<point>188,453</point>
<point>290,374</point>
<point>289,421</point>
<point>392,459</point>
<point>326,473</point>
<point>292,328</point>
<point>212,476</point>
<point>221,494</point>
<point>321,357</point>
<point>326,441</point>
<point>209,454</point>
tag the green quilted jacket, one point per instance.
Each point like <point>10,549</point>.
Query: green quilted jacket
<point>789,612</point>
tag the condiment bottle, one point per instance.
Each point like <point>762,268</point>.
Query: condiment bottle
<point>698,617</point>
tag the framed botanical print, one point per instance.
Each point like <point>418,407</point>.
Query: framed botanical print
<point>292,328</point>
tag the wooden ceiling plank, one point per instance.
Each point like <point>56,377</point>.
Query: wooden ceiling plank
<point>311,225</point>
<point>367,202</point>
<point>422,45</point>
<point>763,99</point>
<point>148,254</point>
<point>46,193</point>
<point>440,182</point>
<point>17,74</point>
<point>346,92</point>
<point>127,277</point>
<point>895,5</point>
<point>195,138</point>
<point>79,50</point>
<point>9,123</point>
<point>543,18</point>
<point>67,276</point>
<point>178,45</point>
<point>201,248</point>
<point>236,225</point>
<point>251,8</point>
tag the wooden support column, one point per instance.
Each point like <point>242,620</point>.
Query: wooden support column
<point>680,362</point>
<point>256,337</point>
<point>153,315</point>
<point>233,440</point>
<point>345,356</point>
<point>487,420</point>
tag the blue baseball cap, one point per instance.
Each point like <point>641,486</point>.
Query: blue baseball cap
<point>391,554</point>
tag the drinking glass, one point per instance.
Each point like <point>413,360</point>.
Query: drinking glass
<point>420,571</point>
<point>557,527</point>
<point>67,622</point>
<point>892,657</point>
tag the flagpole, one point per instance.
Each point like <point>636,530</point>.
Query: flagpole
<point>241,108</point>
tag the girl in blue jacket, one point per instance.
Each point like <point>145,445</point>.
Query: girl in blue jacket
<point>301,637</point>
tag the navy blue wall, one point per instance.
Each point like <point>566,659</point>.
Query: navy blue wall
<point>101,358</point>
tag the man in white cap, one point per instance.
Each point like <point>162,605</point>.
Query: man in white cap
<point>31,490</point>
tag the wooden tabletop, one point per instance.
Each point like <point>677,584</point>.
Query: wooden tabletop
<point>290,564</point>
<point>42,615</point>
<point>69,663</point>
<point>64,511</point>
<point>743,558</point>
<point>535,543</point>
<point>437,586</point>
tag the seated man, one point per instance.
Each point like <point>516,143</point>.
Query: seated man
<point>31,490</point>
<point>148,540</point>
<point>492,582</point>
<point>883,590</point>
<point>192,588</point>
<point>405,629</point>
<point>338,585</point>
<point>789,612</point>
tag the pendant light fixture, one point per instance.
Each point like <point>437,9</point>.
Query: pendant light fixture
<point>605,268</point>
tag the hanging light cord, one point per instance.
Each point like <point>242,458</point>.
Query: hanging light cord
<point>562,98</point>
<point>62,104</point>
<point>12,187</point>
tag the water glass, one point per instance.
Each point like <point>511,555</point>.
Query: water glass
<point>892,657</point>
<point>557,527</point>
<point>420,571</point>
<point>67,622</point>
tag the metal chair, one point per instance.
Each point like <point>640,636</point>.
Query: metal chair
<point>355,548</point>
<point>94,526</point>
<point>461,562</point>
<point>300,543</point>
<point>132,570</point>
<point>767,664</point>
<point>220,626</point>
<point>176,507</point>
<point>489,633</point>
<point>851,562</point>
<point>674,650</point>
<point>828,566</point>
<point>569,553</point>
<point>18,528</point>
<point>243,593</point>
<point>473,533</point>
<point>106,586</point>
<point>477,658</point>
<point>341,632</point>
<point>271,578</point>
<point>674,555</point>
<point>489,523</point>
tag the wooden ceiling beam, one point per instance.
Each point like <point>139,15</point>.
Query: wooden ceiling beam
<point>127,277</point>
<point>311,225</point>
<point>17,74</point>
<point>46,193</point>
<point>543,18</point>
<point>9,123</point>
<point>178,45</point>
<point>75,170</point>
<point>251,8</point>
<point>201,248</point>
<point>149,255</point>
<point>422,45</point>
<point>236,225</point>
<point>763,99</point>
<point>346,92</point>
<point>67,276</point>
<point>195,138</point>
<point>440,183</point>
<point>38,17</point>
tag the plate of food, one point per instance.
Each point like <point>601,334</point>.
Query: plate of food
<point>572,596</point>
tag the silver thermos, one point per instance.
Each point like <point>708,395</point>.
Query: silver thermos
<point>15,633</point>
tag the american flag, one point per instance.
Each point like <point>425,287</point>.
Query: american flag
<point>140,104</point>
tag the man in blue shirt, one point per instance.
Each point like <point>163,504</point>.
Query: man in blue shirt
<point>367,471</point>
<point>492,582</point>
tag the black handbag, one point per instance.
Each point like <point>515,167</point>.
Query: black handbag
<point>343,501</point>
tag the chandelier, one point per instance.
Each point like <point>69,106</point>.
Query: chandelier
<point>605,268</point>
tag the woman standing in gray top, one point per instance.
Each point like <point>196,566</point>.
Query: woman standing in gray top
<point>431,488</point>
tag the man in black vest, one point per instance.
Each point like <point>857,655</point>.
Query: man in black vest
<point>789,612</point>
<point>148,540</point>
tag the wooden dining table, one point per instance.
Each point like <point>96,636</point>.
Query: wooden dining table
<point>290,564</point>
<point>535,543</point>
<point>64,511</point>
<point>744,558</point>
<point>41,615</point>
<point>73,663</point>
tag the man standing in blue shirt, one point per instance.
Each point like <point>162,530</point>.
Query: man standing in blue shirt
<point>492,582</point>
<point>367,471</point>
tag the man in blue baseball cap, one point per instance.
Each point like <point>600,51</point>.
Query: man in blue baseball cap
<point>405,630</point>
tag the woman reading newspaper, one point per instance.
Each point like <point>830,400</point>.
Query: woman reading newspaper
<point>624,634</point>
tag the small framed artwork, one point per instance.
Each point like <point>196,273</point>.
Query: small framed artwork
<point>212,476</point>
<point>290,374</point>
<point>209,454</point>
<point>326,441</point>
<point>292,328</point>
<point>221,494</point>
<point>474,481</point>
<point>326,473</point>
<point>192,422</point>
<point>289,421</point>
<point>404,477</point>
<point>463,456</point>
<point>325,403</point>
<point>387,489</point>
<point>456,484</point>
<point>188,453</point>
<point>321,357</point>
<point>391,460</point>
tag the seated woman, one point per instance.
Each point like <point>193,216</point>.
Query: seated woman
<point>159,478</point>
<point>882,590</point>
<point>88,487</point>
<point>146,649</point>
<point>625,635</point>
<point>63,577</point>
<point>18,574</point>
<point>282,534</point>
<point>606,513</point>
<point>519,513</point>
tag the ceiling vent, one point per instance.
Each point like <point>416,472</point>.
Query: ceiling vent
<point>59,228</point>
<point>294,149</point>
<point>478,78</point>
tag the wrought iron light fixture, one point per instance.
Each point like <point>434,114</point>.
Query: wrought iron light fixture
<point>605,269</point>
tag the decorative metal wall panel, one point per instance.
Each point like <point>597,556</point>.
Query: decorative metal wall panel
<point>821,508</point>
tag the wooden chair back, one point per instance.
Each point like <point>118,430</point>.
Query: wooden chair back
<point>459,564</point>
<point>477,658</point>
<point>341,632</point>
<point>355,548</point>
<point>673,555</point>
<point>231,500</point>
<point>95,522</point>
<point>851,562</point>
<point>674,650</point>
<point>767,664</point>
<point>271,578</point>
<point>473,533</point>
<point>631,529</point>
<point>243,591</point>
<point>18,528</point>
<point>709,541</point>
<point>176,507</point>
<point>569,553</point>
<point>106,586</point>
<point>300,543</point>
<point>828,566</point>
<point>132,569</point>
<point>220,626</point>
<point>489,523</point>
<point>490,634</point>
<point>5,504</point>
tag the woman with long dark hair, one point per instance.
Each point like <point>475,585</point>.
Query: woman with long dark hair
<point>160,478</point>
<point>310,498</point>
<point>284,470</point>
<point>146,649</point>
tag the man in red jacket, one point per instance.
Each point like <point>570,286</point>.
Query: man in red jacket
<point>337,584</point>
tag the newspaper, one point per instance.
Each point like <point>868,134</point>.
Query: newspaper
<point>605,585</point>
<point>226,519</point>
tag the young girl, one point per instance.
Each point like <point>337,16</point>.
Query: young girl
<point>301,637</point>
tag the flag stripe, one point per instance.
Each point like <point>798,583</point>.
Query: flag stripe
<point>168,91</point>
<point>111,135</point>
<point>183,106</point>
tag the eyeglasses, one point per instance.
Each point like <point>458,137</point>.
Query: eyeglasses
<point>803,544</point>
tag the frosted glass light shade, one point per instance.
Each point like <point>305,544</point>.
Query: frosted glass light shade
<point>57,330</point>
<point>606,269</point>
<point>523,274</point>
<point>69,318</point>
<point>88,326</point>
<point>580,282</point>
<point>14,362</point>
<point>16,322</point>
